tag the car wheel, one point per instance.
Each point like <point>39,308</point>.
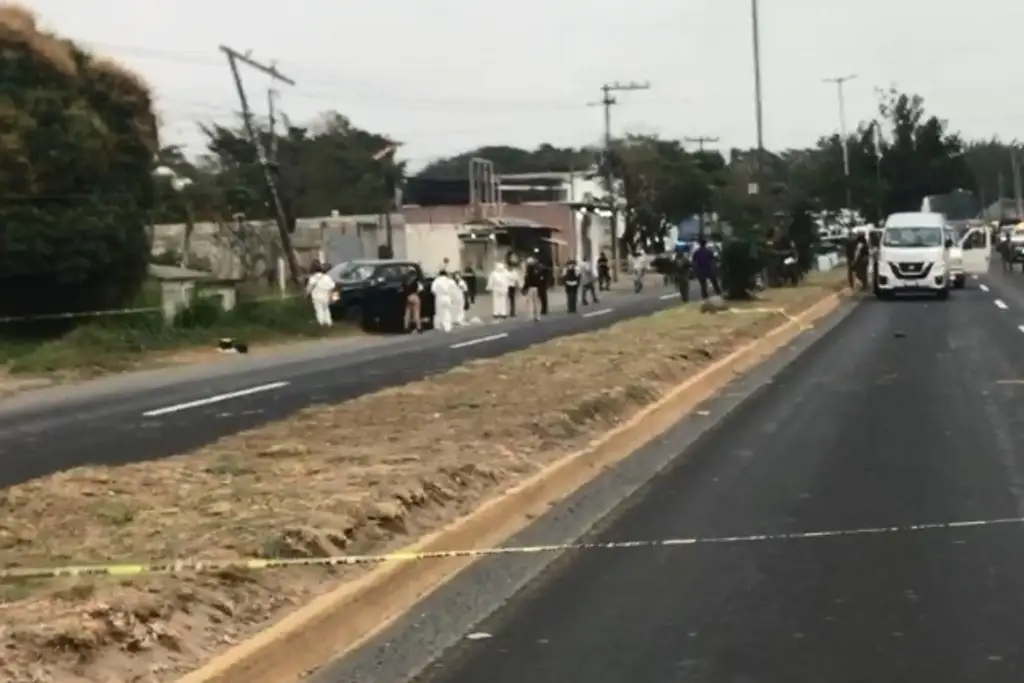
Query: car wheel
<point>959,284</point>
<point>943,294</point>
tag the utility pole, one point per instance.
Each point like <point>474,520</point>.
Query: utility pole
<point>700,140</point>
<point>272,123</point>
<point>758,185</point>
<point>234,57</point>
<point>839,82</point>
<point>1017,190</point>
<point>608,101</point>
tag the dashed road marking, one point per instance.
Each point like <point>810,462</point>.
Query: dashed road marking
<point>479,340</point>
<point>666,297</point>
<point>983,288</point>
<point>594,314</point>
<point>210,400</point>
<point>1000,304</point>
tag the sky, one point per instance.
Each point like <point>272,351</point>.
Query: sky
<point>446,76</point>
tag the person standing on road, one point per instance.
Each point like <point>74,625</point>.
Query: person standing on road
<point>604,276</point>
<point>443,290</point>
<point>515,283</point>
<point>571,280</point>
<point>469,277</point>
<point>533,280</point>
<point>683,270</point>
<point>589,281</point>
<point>412,288</point>
<point>459,303</point>
<point>498,282</point>
<point>319,289</point>
<point>705,268</point>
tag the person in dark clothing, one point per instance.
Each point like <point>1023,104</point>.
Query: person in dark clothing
<point>469,277</point>
<point>533,283</point>
<point>411,290</point>
<point>705,268</point>
<point>861,259</point>
<point>604,274</point>
<point>571,279</point>
<point>682,269</point>
<point>851,257</point>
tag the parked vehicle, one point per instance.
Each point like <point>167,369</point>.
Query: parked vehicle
<point>369,292</point>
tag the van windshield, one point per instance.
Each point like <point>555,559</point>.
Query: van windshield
<point>912,237</point>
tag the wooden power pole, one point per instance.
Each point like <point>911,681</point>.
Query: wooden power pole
<point>700,141</point>
<point>234,58</point>
<point>608,101</point>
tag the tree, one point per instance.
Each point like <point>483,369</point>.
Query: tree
<point>507,159</point>
<point>662,185</point>
<point>78,144</point>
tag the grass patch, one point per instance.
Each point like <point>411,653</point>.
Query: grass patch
<point>117,343</point>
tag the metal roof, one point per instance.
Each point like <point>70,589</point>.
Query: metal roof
<point>507,223</point>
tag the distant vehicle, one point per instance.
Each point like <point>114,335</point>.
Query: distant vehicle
<point>369,292</point>
<point>913,255</point>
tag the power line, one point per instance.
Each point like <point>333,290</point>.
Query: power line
<point>700,141</point>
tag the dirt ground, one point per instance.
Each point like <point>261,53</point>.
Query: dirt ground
<point>364,476</point>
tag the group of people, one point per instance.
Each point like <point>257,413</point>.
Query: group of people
<point>453,295</point>
<point>701,264</point>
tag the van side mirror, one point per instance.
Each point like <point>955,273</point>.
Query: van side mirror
<point>949,243</point>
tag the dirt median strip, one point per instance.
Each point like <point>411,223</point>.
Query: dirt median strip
<point>369,475</point>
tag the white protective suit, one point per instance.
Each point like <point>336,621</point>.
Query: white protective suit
<point>320,287</point>
<point>498,282</point>
<point>443,289</point>
<point>459,301</point>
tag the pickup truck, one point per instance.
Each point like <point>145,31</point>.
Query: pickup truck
<point>369,292</point>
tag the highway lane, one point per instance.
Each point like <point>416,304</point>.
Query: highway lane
<point>156,421</point>
<point>905,413</point>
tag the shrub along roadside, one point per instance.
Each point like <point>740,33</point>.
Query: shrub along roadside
<point>122,342</point>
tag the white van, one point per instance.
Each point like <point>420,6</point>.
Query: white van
<point>913,255</point>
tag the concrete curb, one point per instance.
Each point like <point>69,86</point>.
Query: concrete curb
<point>344,618</point>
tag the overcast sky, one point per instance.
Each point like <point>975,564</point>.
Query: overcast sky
<point>445,76</point>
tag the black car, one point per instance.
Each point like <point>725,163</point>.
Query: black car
<point>369,292</point>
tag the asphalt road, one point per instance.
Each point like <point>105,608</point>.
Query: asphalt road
<point>148,416</point>
<point>906,413</point>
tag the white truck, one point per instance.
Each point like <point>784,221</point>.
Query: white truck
<point>918,252</point>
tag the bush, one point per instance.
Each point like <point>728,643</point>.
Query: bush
<point>76,152</point>
<point>741,264</point>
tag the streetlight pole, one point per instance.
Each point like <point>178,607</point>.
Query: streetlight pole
<point>755,25</point>
<point>839,82</point>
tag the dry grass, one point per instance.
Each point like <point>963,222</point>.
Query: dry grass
<point>363,476</point>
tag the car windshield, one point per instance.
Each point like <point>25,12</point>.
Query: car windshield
<point>351,272</point>
<point>912,237</point>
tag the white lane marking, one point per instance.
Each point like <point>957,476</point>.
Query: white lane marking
<point>1020,327</point>
<point>1000,304</point>
<point>210,400</point>
<point>594,314</point>
<point>479,340</point>
<point>666,297</point>
<point>983,288</point>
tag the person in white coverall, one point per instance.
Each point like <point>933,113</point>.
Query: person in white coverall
<point>459,299</point>
<point>443,289</point>
<point>499,282</point>
<point>320,287</point>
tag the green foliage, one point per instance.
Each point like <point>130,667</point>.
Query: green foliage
<point>740,266</point>
<point>78,134</point>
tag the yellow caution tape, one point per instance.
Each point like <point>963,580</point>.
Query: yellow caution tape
<point>195,566</point>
